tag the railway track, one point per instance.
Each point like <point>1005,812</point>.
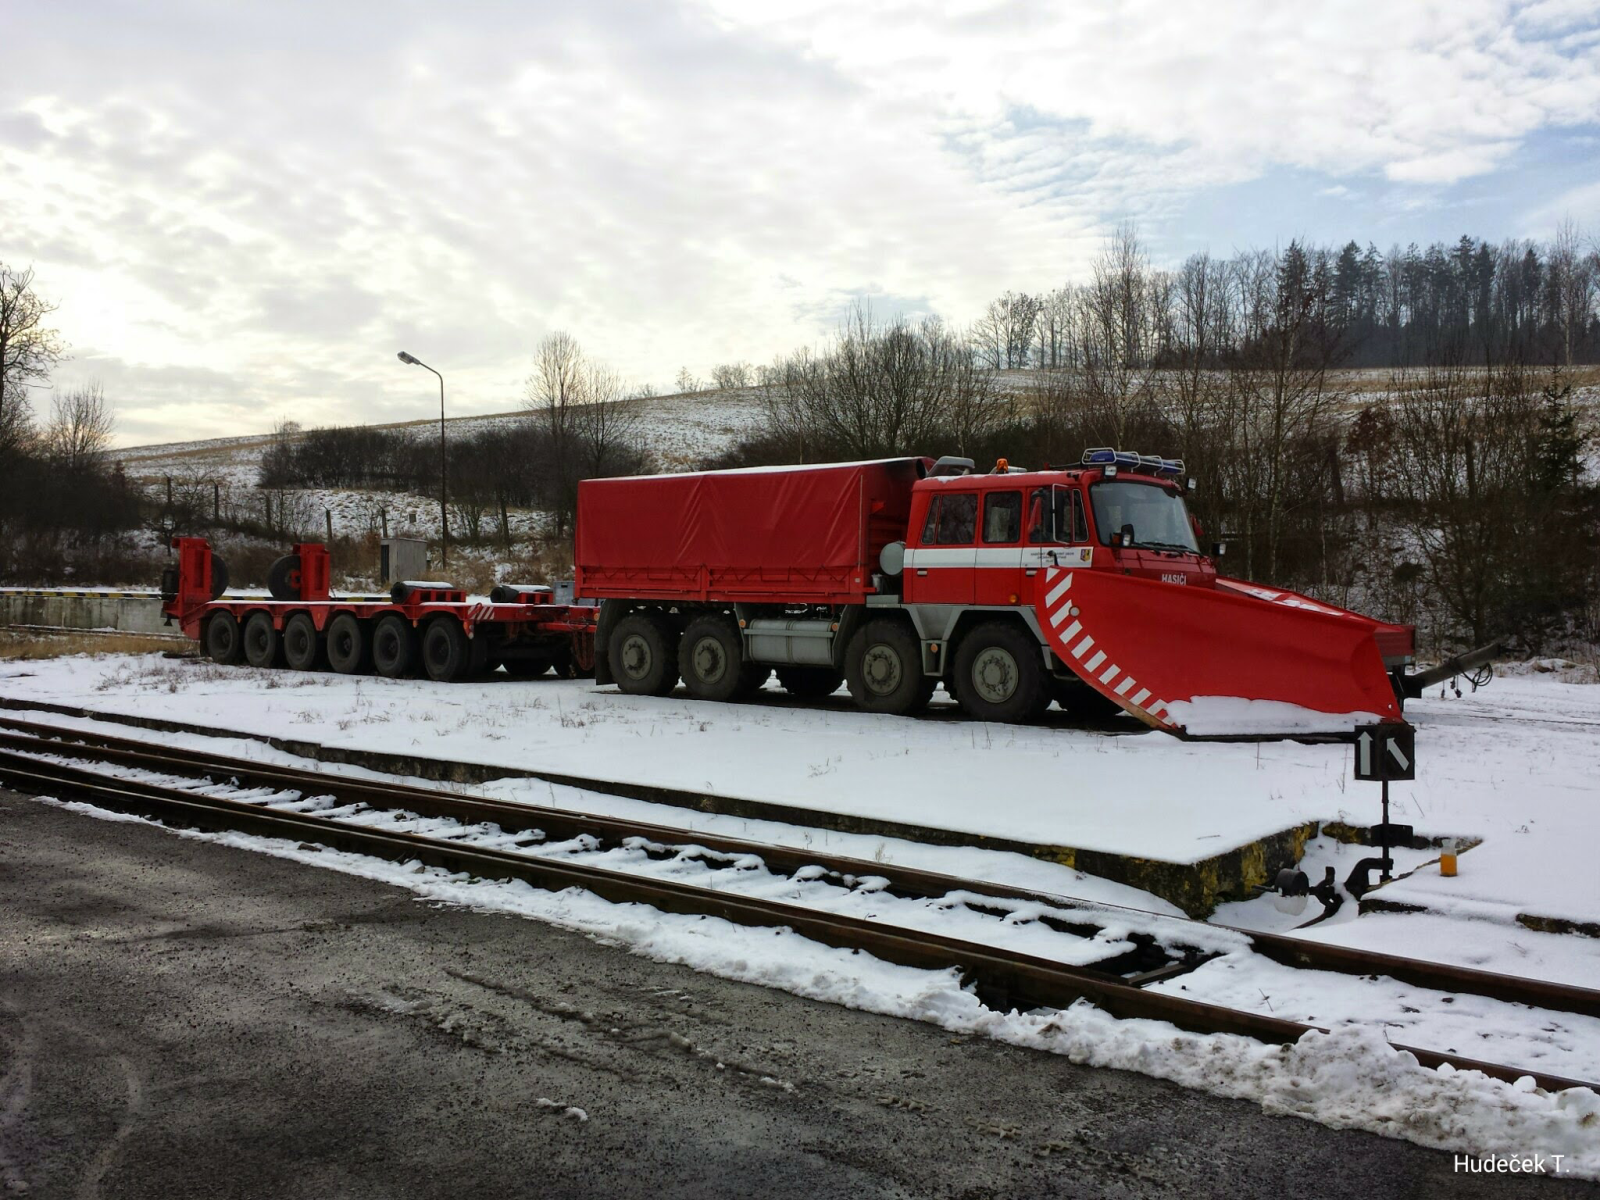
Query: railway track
<point>1026,949</point>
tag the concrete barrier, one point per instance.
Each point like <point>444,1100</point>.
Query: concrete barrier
<point>127,612</point>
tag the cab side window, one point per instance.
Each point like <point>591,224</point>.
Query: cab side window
<point>1066,523</point>
<point>952,520</point>
<point>1002,517</point>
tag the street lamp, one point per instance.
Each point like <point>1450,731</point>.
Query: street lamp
<point>444,514</point>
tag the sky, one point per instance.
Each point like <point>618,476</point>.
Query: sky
<point>245,210</point>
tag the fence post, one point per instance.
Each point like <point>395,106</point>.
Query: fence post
<point>216,502</point>
<point>328,513</point>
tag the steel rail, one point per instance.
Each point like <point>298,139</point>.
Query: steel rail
<point>561,824</point>
<point>1003,979</point>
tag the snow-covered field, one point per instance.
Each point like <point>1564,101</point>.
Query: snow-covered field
<point>1517,765</point>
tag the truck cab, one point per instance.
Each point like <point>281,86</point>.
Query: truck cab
<point>986,540</point>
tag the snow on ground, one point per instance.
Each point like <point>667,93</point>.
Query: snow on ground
<point>1348,1078</point>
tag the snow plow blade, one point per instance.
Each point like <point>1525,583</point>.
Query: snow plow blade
<point>1235,661</point>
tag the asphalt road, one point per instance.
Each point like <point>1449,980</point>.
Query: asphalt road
<point>182,1019</point>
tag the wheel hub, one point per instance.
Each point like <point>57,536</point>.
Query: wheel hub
<point>709,661</point>
<point>994,675</point>
<point>635,656</point>
<point>880,668</point>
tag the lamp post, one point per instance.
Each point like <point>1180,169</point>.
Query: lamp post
<point>444,514</point>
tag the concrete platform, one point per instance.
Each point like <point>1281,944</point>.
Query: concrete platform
<point>1229,872</point>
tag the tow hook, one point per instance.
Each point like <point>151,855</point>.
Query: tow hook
<point>1292,889</point>
<point>1359,882</point>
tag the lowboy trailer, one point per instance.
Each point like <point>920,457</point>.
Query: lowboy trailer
<point>431,629</point>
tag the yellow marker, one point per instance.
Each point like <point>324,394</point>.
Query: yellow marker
<point>1447,858</point>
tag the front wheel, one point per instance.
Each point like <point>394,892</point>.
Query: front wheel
<point>883,666</point>
<point>999,674</point>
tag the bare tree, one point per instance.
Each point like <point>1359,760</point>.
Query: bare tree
<point>1571,281</point>
<point>1117,335</point>
<point>686,382</point>
<point>80,428</point>
<point>28,349</point>
<point>730,375</point>
<point>556,383</point>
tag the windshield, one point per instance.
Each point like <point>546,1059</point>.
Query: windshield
<point>1159,519</point>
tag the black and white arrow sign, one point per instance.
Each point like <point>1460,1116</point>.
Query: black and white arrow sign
<point>1386,753</point>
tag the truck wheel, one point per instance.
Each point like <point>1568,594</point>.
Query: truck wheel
<point>219,577</point>
<point>302,644</point>
<point>1081,702</point>
<point>394,646</point>
<point>711,659</point>
<point>283,578</point>
<point>999,675</point>
<point>446,657</point>
<point>223,643</point>
<point>883,666</point>
<point>262,645</point>
<point>809,683</point>
<point>349,649</point>
<point>642,657</point>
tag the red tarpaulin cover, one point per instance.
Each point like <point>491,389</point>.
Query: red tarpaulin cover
<point>788,533</point>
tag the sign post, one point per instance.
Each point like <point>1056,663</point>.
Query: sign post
<point>1385,753</point>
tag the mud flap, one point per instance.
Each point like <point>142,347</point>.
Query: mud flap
<point>1202,662</point>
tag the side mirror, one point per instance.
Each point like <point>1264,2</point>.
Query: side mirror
<point>1123,536</point>
<point>1218,549</point>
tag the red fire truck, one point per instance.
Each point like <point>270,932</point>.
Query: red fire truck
<point>1086,586</point>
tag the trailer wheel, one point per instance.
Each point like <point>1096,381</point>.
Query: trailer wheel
<point>349,646</point>
<point>446,657</point>
<point>809,683</point>
<point>283,578</point>
<point>998,674</point>
<point>262,645</point>
<point>711,660</point>
<point>223,642</point>
<point>394,646</point>
<point>302,644</point>
<point>883,666</point>
<point>642,657</point>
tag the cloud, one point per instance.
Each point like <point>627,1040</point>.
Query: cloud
<point>285,195</point>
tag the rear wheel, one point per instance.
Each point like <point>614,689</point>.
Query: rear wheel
<point>446,657</point>
<point>999,674</point>
<point>711,659</point>
<point>223,643</point>
<point>809,683</point>
<point>349,647</point>
<point>394,647</point>
<point>302,644</point>
<point>883,666</point>
<point>262,645</point>
<point>642,656</point>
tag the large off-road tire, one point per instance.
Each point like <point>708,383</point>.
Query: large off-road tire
<point>349,645</point>
<point>883,666</point>
<point>711,659</point>
<point>446,655</point>
<point>223,643</point>
<point>1081,702</point>
<point>999,674</point>
<point>809,683</point>
<point>643,655</point>
<point>283,578</point>
<point>394,647</point>
<point>302,644</point>
<point>263,647</point>
<point>219,576</point>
